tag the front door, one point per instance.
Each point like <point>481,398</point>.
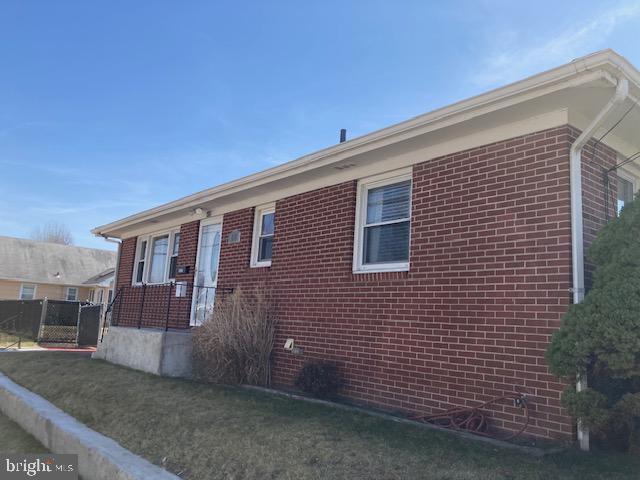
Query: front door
<point>206,274</point>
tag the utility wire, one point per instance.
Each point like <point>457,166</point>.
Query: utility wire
<point>630,159</point>
<point>599,140</point>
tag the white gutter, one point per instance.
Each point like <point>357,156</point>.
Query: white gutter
<point>440,118</point>
<point>577,247</point>
<point>115,271</point>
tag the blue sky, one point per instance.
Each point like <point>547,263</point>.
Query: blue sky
<point>111,107</point>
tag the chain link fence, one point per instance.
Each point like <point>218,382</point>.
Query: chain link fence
<point>48,321</point>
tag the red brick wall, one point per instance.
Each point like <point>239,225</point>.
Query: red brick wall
<point>489,281</point>
<point>595,209</point>
<point>126,261</point>
<point>156,305</point>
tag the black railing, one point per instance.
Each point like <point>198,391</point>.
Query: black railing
<point>166,305</point>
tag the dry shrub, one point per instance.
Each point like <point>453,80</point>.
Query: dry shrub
<point>233,345</point>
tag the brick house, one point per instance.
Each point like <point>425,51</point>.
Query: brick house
<point>432,259</point>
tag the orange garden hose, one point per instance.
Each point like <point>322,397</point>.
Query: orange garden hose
<point>474,420</point>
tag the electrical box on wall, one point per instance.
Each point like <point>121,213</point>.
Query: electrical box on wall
<point>234,237</point>
<point>289,344</point>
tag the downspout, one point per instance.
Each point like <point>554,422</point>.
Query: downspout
<point>115,272</point>
<point>577,239</point>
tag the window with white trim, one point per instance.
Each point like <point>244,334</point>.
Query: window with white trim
<point>173,261</point>
<point>383,224</point>
<point>100,296</point>
<point>72,294</point>
<point>159,250</point>
<point>92,295</point>
<point>141,256</point>
<point>157,257</point>
<point>263,231</point>
<point>27,292</point>
<point>626,190</point>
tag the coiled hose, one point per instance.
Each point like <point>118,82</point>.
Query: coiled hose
<point>474,420</point>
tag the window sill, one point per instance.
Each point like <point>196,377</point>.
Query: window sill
<point>398,268</point>
<point>260,265</point>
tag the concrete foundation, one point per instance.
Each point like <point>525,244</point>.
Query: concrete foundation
<point>99,457</point>
<point>150,350</point>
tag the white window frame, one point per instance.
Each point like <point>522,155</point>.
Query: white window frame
<point>92,295</point>
<point>364,185</point>
<point>621,173</point>
<point>75,297</point>
<point>172,255</point>
<point>149,238</point>
<point>35,290</point>
<point>260,212</point>
<point>138,259</point>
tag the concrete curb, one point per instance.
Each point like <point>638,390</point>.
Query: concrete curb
<point>530,450</point>
<point>99,457</point>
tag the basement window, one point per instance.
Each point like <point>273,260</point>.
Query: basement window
<point>263,231</point>
<point>383,224</point>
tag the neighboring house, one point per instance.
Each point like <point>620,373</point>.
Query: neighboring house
<point>33,270</point>
<point>432,259</point>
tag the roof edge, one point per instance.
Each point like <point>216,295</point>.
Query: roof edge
<point>447,113</point>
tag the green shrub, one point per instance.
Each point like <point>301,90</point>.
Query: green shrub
<point>600,337</point>
<point>320,379</point>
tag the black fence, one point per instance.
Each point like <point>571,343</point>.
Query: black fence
<point>21,317</point>
<point>89,324</point>
<point>48,321</point>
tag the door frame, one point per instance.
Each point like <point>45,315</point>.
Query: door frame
<point>203,223</point>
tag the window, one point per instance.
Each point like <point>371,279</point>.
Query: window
<point>157,258</point>
<point>142,254</point>
<point>625,192</point>
<point>72,294</point>
<point>27,292</point>
<point>110,296</point>
<point>159,249</point>
<point>173,262</point>
<point>263,230</point>
<point>100,296</point>
<point>383,224</point>
<point>92,295</point>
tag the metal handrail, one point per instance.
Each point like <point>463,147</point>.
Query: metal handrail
<point>156,305</point>
<point>107,311</point>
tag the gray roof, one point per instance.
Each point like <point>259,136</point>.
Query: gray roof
<point>43,262</point>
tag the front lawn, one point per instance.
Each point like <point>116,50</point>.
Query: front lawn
<point>208,432</point>
<point>15,440</point>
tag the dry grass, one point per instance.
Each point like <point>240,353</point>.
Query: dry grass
<point>15,440</point>
<point>234,345</point>
<point>212,432</point>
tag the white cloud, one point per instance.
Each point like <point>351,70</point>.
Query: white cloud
<point>515,58</point>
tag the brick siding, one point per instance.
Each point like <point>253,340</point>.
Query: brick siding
<point>489,281</point>
<point>488,284</point>
<point>597,206</point>
<point>156,305</point>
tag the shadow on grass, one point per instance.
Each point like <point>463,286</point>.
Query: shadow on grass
<point>201,431</point>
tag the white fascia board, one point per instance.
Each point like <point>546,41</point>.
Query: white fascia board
<point>547,82</point>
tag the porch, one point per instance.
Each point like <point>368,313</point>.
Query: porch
<point>147,327</point>
<point>174,305</point>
